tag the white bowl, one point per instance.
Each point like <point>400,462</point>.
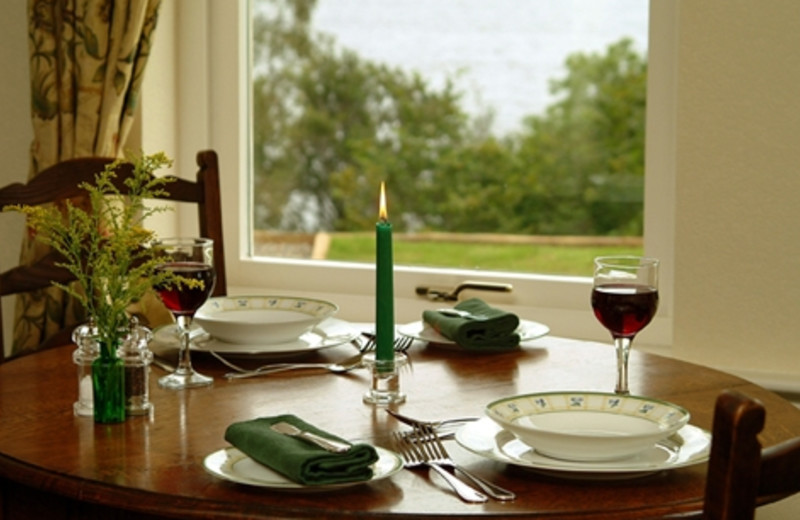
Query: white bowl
<point>261,319</point>
<point>587,426</point>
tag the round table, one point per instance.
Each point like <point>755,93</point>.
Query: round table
<point>56,465</point>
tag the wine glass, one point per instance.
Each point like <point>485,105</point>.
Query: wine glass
<point>190,258</point>
<point>624,300</point>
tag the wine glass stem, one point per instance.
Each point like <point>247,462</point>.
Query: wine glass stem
<point>623,347</point>
<point>184,357</point>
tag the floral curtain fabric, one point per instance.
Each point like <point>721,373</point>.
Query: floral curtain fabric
<point>87,59</point>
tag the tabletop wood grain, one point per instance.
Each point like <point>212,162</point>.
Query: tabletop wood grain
<point>152,467</point>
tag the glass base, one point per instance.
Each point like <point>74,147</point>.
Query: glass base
<point>177,381</point>
<point>385,388</point>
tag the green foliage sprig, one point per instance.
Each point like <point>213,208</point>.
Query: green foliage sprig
<point>329,125</point>
<point>106,246</point>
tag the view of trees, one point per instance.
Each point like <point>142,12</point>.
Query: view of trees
<point>329,126</point>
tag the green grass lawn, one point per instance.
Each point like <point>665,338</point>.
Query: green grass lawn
<point>551,259</point>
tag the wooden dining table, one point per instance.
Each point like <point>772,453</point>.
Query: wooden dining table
<point>56,465</point>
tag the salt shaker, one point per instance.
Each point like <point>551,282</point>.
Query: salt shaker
<point>137,357</point>
<point>85,337</point>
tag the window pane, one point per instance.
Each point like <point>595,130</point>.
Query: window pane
<point>510,134</point>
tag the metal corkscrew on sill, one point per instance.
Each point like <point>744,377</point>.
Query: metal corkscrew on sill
<point>440,294</point>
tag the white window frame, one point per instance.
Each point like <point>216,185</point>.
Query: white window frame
<point>211,59</point>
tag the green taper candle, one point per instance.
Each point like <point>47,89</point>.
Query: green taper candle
<point>384,285</point>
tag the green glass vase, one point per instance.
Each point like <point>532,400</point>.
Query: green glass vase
<point>108,384</point>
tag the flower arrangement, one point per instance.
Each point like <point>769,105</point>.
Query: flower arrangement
<point>105,247</point>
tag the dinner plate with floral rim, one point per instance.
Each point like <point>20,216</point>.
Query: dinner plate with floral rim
<point>329,333</point>
<point>419,330</point>
<point>233,465</point>
<point>690,445</point>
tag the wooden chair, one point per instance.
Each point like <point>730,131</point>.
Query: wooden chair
<point>741,474</point>
<point>61,181</point>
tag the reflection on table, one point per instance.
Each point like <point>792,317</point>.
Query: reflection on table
<point>152,467</point>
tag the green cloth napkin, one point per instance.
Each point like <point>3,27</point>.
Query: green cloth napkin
<point>491,329</point>
<point>298,459</point>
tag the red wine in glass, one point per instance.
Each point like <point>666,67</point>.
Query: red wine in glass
<point>189,258</point>
<point>624,308</point>
<point>181,299</point>
<point>624,300</point>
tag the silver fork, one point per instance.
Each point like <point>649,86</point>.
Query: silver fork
<point>431,444</point>
<point>401,343</point>
<point>413,457</point>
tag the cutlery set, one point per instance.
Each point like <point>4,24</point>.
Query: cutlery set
<point>414,453</point>
<point>422,446</point>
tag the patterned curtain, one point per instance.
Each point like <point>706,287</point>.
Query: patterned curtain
<point>87,59</point>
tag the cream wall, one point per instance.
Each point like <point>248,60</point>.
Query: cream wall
<point>737,229</point>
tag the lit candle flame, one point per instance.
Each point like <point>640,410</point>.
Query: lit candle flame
<point>383,215</point>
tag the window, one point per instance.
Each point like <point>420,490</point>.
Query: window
<point>485,166</point>
<point>559,301</point>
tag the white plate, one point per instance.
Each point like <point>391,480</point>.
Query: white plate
<point>328,333</point>
<point>231,464</point>
<point>420,330</point>
<point>690,445</point>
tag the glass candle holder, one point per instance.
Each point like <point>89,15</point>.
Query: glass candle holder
<point>385,379</point>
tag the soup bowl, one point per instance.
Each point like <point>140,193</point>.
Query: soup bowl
<point>588,426</point>
<point>262,319</point>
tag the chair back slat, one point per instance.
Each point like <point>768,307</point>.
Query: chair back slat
<point>741,474</point>
<point>62,181</point>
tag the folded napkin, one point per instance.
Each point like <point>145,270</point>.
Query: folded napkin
<point>298,459</point>
<point>487,329</point>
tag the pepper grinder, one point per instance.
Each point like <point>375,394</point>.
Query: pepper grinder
<point>137,357</point>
